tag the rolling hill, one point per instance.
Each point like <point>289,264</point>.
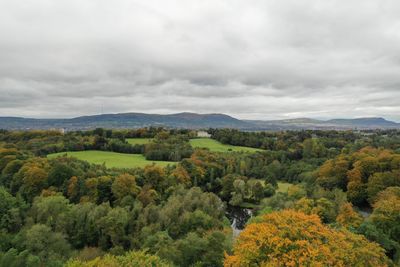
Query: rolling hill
<point>191,121</point>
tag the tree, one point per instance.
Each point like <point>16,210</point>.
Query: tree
<point>49,246</point>
<point>147,195</point>
<point>114,225</point>
<point>14,258</point>
<point>227,186</point>
<point>51,211</point>
<point>289,238</point>
<point>130,259</point>
<point>356,189</point>
<point>60,173</point>
<point>386,213</point>
<point>347,217</point>
<point>154,176</point>
<point>322,207</point>
<point>379,181</point>
<point>296,192</point>
<point>75,187</point>
<point>274,172</point>
<point>33,176</point>
<point>10,211</point>
<point>7,155</point>
<point>325,209</point>
<point>180,176</point>
<point>9,170</point>
<point>333,173</point>
<point>257,191</point>
<point>124,185</point>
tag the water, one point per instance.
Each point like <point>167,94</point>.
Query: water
<point>238,218</point>
<point>365,211</point>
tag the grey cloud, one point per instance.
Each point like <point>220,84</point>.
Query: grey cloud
<point>259,59</point>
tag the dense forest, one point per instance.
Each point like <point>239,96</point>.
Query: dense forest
<point>341,206</point>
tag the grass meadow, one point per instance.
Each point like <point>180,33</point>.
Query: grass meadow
<point>111,159</point>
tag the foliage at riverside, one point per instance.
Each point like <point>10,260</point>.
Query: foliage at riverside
<point>309,191</point>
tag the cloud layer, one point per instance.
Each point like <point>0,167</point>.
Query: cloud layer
<point>251,59</point>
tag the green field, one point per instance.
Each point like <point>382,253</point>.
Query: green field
<point>111,159</point>
<point>216,146</point>
<point>138,141</point>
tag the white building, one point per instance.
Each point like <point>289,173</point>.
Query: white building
<point>203,134</point>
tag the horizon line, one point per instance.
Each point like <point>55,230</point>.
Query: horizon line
<point>196,113</point>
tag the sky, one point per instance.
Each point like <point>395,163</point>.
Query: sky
<point>258,59</point>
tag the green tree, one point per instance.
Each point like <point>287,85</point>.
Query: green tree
<point>386,213</point>
<point>60,173</point>
<point>49,246</point>
<point>51,211</point>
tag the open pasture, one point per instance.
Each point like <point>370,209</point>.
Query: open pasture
<point>111,159</point>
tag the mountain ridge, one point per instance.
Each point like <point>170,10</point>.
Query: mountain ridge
<point>191,120</point>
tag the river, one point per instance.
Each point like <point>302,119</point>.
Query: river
<point>238,218</point>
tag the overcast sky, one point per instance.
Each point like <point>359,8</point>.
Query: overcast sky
<point>251,59</point>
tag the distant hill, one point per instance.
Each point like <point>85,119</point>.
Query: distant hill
<point>364,122</point>
<point>190,121</point>
<point>338,124</point>
<point>128,120</point>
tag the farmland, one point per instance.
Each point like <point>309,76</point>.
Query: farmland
<point>111,159</point>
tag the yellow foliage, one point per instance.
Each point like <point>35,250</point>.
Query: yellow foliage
<point>124,185</point>
<point>347,217</point>
<point>290,238</point>
<point>130,259</point>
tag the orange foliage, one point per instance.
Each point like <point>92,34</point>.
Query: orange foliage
<point>290,238</point>
<point>72,187</point>
<point>347,217</point>
<point>181,175</point>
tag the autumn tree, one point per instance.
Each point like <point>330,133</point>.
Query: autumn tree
<point>180,176</point>
<point>147,195</point>
<point>381,180</point>
<point>347,217</point>
<point>386,213</point>
<point>289,238</point>
<point>133,258</point>
<point>333,173</point>
<point>154,175</point>
<point>124,185</point>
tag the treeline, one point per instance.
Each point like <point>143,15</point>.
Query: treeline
<point>287,140</point>
<point>168,145</point>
